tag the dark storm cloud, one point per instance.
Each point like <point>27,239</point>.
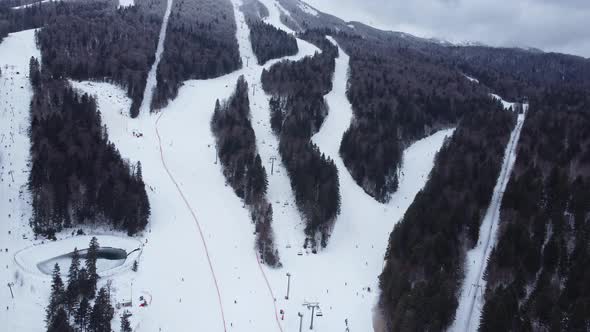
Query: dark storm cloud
<point>551,25</point>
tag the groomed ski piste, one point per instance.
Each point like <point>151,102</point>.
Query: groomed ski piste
<point>187,192</point>
<point>471,299</point>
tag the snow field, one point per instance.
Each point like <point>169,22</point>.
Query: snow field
<point>126,3</point>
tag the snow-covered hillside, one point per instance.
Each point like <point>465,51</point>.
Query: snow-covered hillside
<point>30,293</point>
<point>197,262</point>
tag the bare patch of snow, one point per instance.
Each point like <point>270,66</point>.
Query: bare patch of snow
<point>126,3</point>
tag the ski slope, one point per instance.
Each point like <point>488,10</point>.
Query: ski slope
<point>30,293</point>
<point>471,300</point>
<point>152,79</point>
<point>274,10</point>
<point>187,191</point>
<point>187,290</point>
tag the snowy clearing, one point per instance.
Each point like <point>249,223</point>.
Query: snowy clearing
<point>471,297</point>
<point>126,3</point>
<point>507,105</point>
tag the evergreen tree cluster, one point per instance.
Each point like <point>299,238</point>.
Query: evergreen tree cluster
<point>298,90</point>
<point>537,275</point>
<point>77,176</point>
<point>427,248</point>
<point>200,44</point>
<point>514,73</point>
<point>242,166</point>
<point>116,45</point>
<point>269,42</point>
<point>398,96</point>
<point>70,307</point>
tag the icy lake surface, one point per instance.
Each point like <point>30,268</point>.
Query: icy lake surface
<point>108,258</point>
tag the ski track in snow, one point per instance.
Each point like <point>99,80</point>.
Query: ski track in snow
<point>471,299</point>
<point>151,82</point>
<point>190,208</point>
<point>275,10</point>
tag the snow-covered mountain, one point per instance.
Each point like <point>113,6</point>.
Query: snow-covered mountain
<point>269,166</point>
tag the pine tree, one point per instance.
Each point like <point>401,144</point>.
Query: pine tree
<point>73,289</point>
<point>59,322</point>
<point>56,299</point>
<point>102,313</point>
<point>83,282</point>
<point>91,258</point>
<point>34,72</point>
<point>81,317</point>
<point>125,324</point>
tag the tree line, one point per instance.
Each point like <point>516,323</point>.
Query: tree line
<point>77,176</point>
<point>200,44</point>
<point>298,90</point>
<point>269,42</point>
<point>537,276</point>
<point>242,166</point>
<point>426,252</point>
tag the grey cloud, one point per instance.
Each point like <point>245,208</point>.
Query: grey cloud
<point>551,25</point>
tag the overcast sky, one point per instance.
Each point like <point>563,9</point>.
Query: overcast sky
<point>551,25</point>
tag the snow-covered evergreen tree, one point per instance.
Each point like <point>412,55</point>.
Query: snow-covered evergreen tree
<point>92,275</point>
<point>102,313</point>
<point>56,299</point>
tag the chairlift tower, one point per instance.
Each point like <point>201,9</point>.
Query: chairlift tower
<point>313,306</point>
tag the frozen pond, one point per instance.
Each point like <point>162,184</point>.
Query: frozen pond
<point>116,254</point>
<point>108,258</point>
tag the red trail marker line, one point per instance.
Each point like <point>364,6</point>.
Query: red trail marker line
<point>274,302</point>
<point>196,221</point>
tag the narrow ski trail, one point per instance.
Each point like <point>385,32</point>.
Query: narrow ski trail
<point>471,297</point>
<point>151,82</point>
